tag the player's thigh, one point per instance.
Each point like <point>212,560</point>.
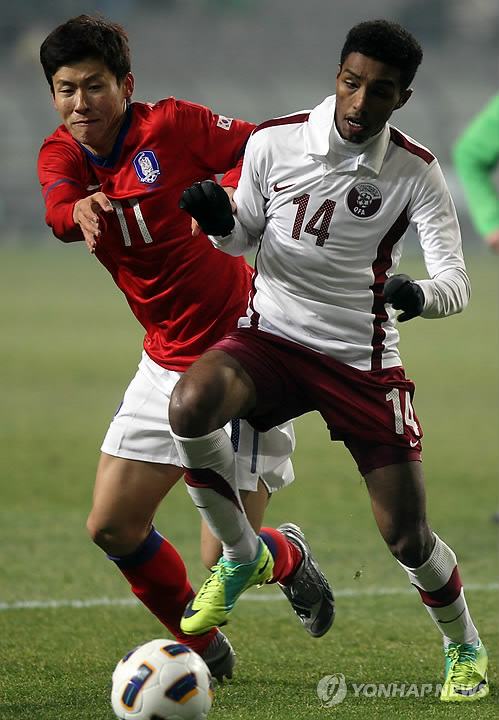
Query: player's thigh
<point>212,390</point>
<point>127,494</point>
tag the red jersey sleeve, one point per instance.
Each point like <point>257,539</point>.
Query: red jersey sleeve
<point>216,142</point>
<point>232,176</point>
<point>64,177</point>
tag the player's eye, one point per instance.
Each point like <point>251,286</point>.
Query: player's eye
<point>382,93</point>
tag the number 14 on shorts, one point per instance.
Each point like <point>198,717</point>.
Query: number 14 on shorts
<point>408,418</point>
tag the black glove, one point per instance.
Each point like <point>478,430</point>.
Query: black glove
<point>404,294</point>
<point>209,205</point>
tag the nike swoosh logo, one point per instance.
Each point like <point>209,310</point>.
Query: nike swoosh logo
<point>472,691</point>
<point>189,612</point>
<point>444,622</point>
<point>94,187</point>
<point>283,187</point>
<point>263,568</point>
<point>412,443</point>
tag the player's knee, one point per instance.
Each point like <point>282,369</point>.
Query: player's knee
<point>115,540</point>
<point>411,546</point>
<point>100,535</point>
<point>189,410</point>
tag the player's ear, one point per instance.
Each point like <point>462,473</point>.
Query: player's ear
<point>128,85</point>
<point>404,97</point>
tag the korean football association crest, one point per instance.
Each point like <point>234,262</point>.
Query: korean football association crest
<point>147,166</point>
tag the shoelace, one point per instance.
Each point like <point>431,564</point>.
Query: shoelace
<point>462,658</point>
<point>211,586</point>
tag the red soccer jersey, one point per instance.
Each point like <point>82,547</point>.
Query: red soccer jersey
<point>185,293</point>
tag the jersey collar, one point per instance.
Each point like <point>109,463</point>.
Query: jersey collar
<point>325,143</point>
<point>110,160</point>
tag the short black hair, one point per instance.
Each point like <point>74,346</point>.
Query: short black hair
<point>386,42</point>
<point>86,37</point>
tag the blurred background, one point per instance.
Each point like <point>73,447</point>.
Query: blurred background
<point>252,59</point>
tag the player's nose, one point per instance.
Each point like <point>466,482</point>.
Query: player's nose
<point>360,100</point>
<point>80,101</point>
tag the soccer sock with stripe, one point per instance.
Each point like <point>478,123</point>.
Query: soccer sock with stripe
<point>209,464</point>
<point>441,590</point>
<point>158,578</point>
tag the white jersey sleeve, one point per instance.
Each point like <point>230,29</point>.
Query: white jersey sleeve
<point>250,213</point>
<point>433,217</point>
<point>238,242</point>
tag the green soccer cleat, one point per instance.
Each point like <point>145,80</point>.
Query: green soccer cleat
<point>465,673</point>
<point>218,594</point>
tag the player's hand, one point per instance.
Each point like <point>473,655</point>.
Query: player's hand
<point>195,226</point>
<point>210,206</point>
<point>86,215</point>
<point>404,294</point>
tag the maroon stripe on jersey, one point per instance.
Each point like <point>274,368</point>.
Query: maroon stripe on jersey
<point>402,141</point>
<point>380,266</point>
<point>255,316</point>
<point>448,594</point>
<point>290,120</point>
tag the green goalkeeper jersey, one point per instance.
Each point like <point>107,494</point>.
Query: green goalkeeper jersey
<point>476,157</point>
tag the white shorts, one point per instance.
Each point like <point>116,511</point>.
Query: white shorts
<point>140,430</point>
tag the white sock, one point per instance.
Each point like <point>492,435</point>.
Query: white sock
<point>210,464</point>
<point>441,590</point>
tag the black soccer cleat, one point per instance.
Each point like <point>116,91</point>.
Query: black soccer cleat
<point>220,657</point>
<point>309,592</point>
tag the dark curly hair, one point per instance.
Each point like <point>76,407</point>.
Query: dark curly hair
<point>86,37</point>
<point>386,42</point>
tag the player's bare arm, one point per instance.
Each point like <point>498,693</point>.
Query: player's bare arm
<point>86,215</point>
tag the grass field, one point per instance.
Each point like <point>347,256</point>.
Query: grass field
<point>69,348</point>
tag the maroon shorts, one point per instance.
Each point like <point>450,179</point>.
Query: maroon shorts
<point>370,411</point>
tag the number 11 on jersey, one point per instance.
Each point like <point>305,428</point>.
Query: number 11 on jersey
<point>134,204</point>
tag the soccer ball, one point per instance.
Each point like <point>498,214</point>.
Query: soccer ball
<point>161,680</point>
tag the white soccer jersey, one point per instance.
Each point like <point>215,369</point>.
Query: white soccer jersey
<point>329,219</point>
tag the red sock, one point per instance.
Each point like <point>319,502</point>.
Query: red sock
<point>287,557</point>
<point>158,578</point>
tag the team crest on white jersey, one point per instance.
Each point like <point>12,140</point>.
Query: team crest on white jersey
<point>364,200</point>
<point>147,166</point>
